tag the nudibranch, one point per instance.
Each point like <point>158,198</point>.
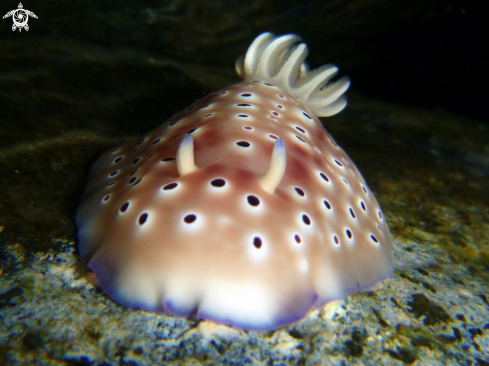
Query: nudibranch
<point>241,209</point>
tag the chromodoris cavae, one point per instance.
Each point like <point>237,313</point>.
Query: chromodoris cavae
<point>241,208</point>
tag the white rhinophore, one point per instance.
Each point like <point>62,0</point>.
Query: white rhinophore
<point>185,156</point>
<point>271,179</point>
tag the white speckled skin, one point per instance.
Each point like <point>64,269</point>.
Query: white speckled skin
<point>247,265</point>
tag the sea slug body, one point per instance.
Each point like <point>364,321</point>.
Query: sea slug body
<point>242,208</point>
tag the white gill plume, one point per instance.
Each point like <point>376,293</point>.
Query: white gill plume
<point>280,60</point>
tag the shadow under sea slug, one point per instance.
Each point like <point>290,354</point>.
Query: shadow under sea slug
<point>240,209</point>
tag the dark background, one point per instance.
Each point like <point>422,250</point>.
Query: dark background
<point>424,53</point>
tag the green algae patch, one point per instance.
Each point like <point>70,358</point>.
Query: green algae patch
<point>425,284</point>
<point>354,346</point>
<point>403,354</point>
<point>379,317</point>
<point>10,297</point>
<point>422,306</point>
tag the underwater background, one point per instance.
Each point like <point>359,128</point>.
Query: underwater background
<point>89,75</point>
